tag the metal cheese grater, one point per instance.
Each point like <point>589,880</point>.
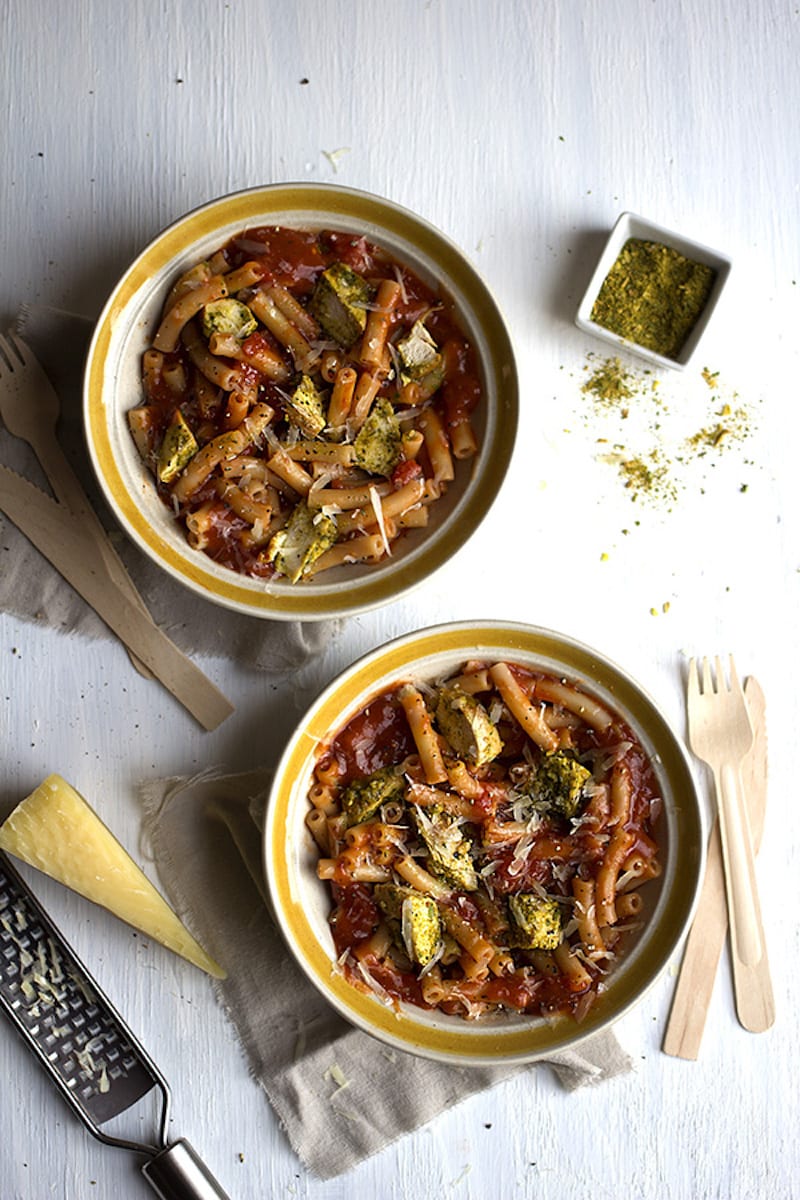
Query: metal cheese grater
<point>82,1041</point>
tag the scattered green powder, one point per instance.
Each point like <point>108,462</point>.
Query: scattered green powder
<point>648,476</point>
<point>652,451</point>
<point>638,474</point>
<point>732,425</point>
<point>610,382</point>
<point>653,296</point>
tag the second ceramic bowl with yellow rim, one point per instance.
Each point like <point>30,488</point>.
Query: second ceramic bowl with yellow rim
<point>113,385</point>
<point>302,902</point>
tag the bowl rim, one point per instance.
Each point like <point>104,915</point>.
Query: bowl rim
<point>321,204</point>
<point>631,225</point>
<point>452,1040</point>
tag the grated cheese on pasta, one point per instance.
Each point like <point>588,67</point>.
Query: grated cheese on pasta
<point>375,501</point>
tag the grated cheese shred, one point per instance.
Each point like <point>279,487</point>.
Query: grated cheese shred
<point>375,500</point>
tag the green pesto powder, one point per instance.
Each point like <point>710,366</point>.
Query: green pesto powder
<point>609,382</point>
<point>653,296</point>
<point>652,461</point>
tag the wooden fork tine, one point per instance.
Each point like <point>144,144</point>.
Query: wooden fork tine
<point>14,347</point>
<point>705,943</point>
<point>735,685</point>
<point>720,733</point>
<point>5,352</point>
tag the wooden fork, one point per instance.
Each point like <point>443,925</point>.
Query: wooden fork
<point>30,410</point>
<point>721,735</point>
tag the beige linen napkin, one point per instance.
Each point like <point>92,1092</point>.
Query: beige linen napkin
<point>31,589</point>
<point>340,1095</point>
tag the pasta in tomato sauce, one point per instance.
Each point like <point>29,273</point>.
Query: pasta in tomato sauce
<point>480,860</point>
<point>289,373</point>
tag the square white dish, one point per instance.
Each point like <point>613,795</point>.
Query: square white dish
<point>628,226</point>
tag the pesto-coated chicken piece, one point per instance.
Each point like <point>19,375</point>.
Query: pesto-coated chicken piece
<point>449,848</point>
<point>378,443</point>
<point>228,316</point>
<point>412,916</point>
<point>559,782</point>
<point>306,408</point>
<point>339,302</point>
<point>420,360</point>
<point>362,798</point>
<point>535,922</point>
<point>178,448</point>
<point>306,535</point>
<point>389,898</point>
<point>466,725</point>
<point>421,928</point>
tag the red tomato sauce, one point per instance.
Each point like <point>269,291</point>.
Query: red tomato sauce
<point>290,258</point>
<point>376,737</point>
<point>518,846</point>
<point>400,985</point>
<point>355,916</point>
<point>294,259</point>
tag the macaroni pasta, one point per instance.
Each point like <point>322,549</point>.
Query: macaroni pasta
<point>369,384</point>
<point>485,840</point>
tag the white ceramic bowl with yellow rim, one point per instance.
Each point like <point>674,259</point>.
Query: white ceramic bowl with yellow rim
<point>113,386</point>
<point>302,903</point>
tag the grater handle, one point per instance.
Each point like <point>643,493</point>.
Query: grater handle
<point>178,1173</point>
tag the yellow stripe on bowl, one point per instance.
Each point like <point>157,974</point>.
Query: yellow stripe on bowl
<point>307,206</point>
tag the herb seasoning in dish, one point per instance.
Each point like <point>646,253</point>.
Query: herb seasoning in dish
<point>653,295</point>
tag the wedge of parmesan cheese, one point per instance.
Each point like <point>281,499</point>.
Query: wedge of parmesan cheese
<point>56,831</point>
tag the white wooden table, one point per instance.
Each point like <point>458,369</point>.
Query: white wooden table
<point>522,130</point>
